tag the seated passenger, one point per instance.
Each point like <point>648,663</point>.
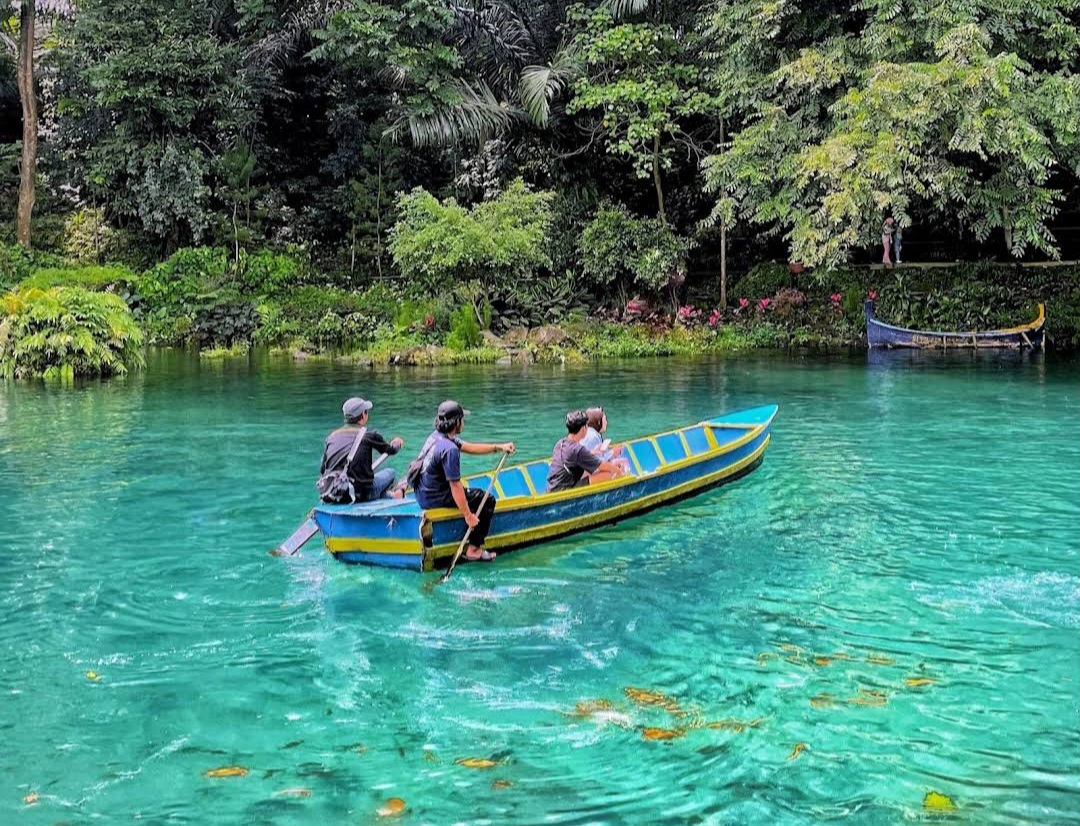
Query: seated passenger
<point>594,437</point>
<point>572,464</point>
<point>367,484</point>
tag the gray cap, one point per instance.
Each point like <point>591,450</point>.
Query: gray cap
<point>355,407</point>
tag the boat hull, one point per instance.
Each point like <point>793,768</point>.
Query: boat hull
<point>880,334</point>
<point>666,468</point>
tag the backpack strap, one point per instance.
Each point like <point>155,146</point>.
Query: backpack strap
<point>355,447</point>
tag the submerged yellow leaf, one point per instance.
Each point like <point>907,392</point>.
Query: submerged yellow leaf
<point>822,701</point>
<point>938,802</point>
<point>880,659</point>
<point>476,762</point>
<point>795,752</point>
<point>501,784</point>
<point>393,806</point>
<point>649,733</point>
<point>917,682</point>
<point>822,660</point>
<point>295,792</point>
<point>226,771</point>
<point>645,697</point>
<point>585,708</point>
<point>93,676</point>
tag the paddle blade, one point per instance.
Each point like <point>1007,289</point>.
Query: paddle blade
<point>297,539</point>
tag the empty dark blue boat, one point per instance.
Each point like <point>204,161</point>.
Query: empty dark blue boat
<point>879,334</point>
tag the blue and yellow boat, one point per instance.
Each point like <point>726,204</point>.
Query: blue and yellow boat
<point>665,468</point>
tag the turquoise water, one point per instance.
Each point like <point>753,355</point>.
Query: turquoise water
<point>914,519</point>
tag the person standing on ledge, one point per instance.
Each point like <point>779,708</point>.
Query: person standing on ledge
<point>440,476</point>
<point>367,484</point>
<point>887,230</point>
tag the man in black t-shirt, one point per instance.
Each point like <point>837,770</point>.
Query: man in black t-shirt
<point>367,483</point>
<point>572,463</point>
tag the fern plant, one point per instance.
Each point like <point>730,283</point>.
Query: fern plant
<point>63,332</point>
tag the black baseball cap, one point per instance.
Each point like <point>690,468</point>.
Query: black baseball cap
<point>450,409</point>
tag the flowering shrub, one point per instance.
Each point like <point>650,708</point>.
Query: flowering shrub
<point>687,314</point>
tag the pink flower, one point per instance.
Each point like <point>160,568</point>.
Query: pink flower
<point>835,298</point>
<point>714,318</point>
<point>429,322</point>
<point>686,311</point>
<point>871,295</point>
<point>763,304</point>
<point>743,303</point>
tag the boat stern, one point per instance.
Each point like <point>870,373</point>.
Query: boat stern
<point>385,533</point>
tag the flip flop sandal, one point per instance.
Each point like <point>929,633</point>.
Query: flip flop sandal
<point>484,556</point>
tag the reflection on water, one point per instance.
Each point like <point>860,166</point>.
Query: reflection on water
<point>883,615</point>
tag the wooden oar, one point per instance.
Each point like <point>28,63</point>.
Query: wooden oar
<point>468,530</point>
<point>308,528</point>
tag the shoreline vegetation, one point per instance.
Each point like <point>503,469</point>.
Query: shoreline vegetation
<point>62,318</point>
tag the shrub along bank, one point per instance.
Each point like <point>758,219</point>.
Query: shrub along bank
<point>62,318</point>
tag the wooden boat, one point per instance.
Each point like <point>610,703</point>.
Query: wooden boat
<point>665,468</point>
<point>879,334</point>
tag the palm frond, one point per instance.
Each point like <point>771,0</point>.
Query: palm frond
<point>495,39</point>
<point>625,8</point>
<point>474,117</point>
<point>540,85</point>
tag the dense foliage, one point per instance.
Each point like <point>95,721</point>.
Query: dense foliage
<point>272,170</point>
<point>63,332</point>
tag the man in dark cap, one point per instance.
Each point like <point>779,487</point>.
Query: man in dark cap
<point>367,484</point>
<point>572,463</point>
<point>440,476</point>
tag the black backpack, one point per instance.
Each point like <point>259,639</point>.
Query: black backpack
<point>335,487</point>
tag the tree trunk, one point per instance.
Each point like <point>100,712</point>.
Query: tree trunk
<point>236,231</point>
<point>723,245</point>
<point>656,180</point>
<point>378,218</point>
<point>723,264</point>
<point>28,97</point>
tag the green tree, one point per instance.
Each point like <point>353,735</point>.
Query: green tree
<point>641,82</point>
<point>153,97</point>
<point>238,167</point>
<point>622,252</point>
<point>497,242</point>
<point>961,112</point>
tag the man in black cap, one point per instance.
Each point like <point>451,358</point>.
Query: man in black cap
<point>572,463</point>
<point>367,484</point>
<point>440,476</point>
